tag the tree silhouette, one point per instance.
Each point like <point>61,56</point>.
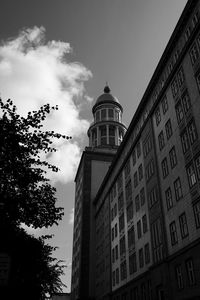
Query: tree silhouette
<point>26,196</point>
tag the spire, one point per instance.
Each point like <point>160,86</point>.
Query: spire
<point>107,89</point>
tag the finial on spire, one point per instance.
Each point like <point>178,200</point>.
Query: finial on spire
<point>107,89</point>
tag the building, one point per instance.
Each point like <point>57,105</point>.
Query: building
<point>105,136</point>
<point>143,223</point>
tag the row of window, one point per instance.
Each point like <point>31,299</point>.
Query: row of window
<point>193,171</point>
<point>143,258</point>
<point>191,278</point>
<point>195,51</point>
<point>108,114</point>
<point>177,82</point>
<point>168,131</point>
<point>173,162</point>
<point>183,229</point>
<point>189,136</point>
<point>164,104</point>
<point>183,106</point>
<point>142,292</point>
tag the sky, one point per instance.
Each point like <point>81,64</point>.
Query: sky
<point>63,52</point>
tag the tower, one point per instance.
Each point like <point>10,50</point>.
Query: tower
<point>105,135</point>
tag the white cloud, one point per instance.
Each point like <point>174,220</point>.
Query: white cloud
<point>71,217</point>
<point>34,72</point>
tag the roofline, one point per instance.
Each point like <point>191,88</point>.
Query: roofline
<point>167,52</point>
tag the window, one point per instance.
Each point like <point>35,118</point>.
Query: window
<point>198,80</point>
<point>113,234</point>
<point>173,233</point>
<point>137,203</point>
<point>164,105</point>
<point>132,263</point>
<point>161,140</point>
<point>187,33</point>
<point>139,229</point>
<point>119,182</point>
<point>165,170</point>
<point>128,191</point>
<point>192,132</point>
<point>197,163</point>
<point>131,237</point>
<point>113,255</point>
<point>129,211</point>
<point>185,141</point>
<point>116,252</point>
<point>117,276</point>
<point>127,169</point>
<point>157,240</point>
<point>183,225</point>
<point>115,210</point>
<point>179,112</point>
<point>98,116</point>
<point>144,223</point>
<point>143,291</point>
<point>116,230</point>
<point>121,222</point>
<point>135,179</point>
<point>123,270</point>
<point>113,278</point>
<point>147,146</point>
<point>178,189</point>
<point>172,157</point>
<point>140,172</point>
<point>147,253</point>
<point>168,129</point>
<point>180,77</point>
<point>122,245</point>
<point>149,170</point>
<point>158,116</point>
<point>194,53</point>
<point>152,199</point>
<point>120,201</point>
<point>141,258</point>
<point>174,87</point>
<point>134,157</point>
<point>190,272</point>
<point>186,102</point>
<point>195,19</point>
<point>179,277</point>
<point>138,147</point>
<point>196,209</point>
<point>103,114</point>
<point>142,196</point>
<point>191,176</point>
<point>110,113</point>
<point>111,135</point>
<point>168,197</point>
<point>103,135</point>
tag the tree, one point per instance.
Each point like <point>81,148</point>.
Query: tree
<point>26,196</point>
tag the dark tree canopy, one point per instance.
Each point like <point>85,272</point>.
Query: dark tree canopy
<point>25,192</point>
<point>26,196</point>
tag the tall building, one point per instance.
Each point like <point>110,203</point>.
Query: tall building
<point>105,135</point>
<point>143,223</point>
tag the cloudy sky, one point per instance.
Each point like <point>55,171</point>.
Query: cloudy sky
<point>63,52</point>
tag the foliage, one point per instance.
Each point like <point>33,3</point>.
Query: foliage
<point>26,194</point>
<point>34,272</point>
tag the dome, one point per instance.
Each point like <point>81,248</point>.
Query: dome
<point>106,96</point>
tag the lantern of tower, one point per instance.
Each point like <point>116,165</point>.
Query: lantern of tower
<point>107,130</point>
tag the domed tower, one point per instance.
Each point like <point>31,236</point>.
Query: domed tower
<point>107,130</point>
